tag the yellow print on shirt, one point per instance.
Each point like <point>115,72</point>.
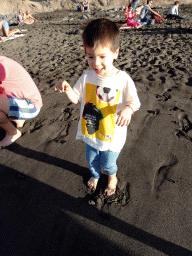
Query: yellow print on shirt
<point>98,119</point>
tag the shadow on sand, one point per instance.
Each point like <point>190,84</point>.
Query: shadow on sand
<point>37,219</point>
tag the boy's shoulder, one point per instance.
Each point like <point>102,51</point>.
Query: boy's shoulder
<point>90,76</point>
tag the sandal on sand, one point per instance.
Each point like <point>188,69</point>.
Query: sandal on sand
<point>111,188</point>
<point>92,183</point>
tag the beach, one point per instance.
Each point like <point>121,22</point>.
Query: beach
<point>45,205</point>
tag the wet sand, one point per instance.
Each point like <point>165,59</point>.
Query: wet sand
<point>45,206</point>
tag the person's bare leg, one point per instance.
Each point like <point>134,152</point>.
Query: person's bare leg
<point>112,185</point>
<point>12,133</point>
<point>19,123</point>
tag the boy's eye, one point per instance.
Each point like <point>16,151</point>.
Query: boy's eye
<point>102,57</point>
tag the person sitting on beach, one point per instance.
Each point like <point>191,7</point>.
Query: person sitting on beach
<point>85,5</point>
<point>130,15</point>
<point>79,8</point>
<point>28,19</point>
<point>174,12</point>
<point>108,99</point>
<point>20,19</point>
<point>4,26</point>
<point>20,99</point>
<point>147,13</point>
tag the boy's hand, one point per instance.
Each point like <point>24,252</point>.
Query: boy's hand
<point>63,87</point>
<point>124,116</point>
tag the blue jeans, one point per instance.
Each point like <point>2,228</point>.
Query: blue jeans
<point>135,5</point>
<point>147,17</point>
<point>97,159</point>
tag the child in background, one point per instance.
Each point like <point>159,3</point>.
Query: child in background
<point>85,5</point>
<point>108,99</point>
<point>20,19</point>
<point>174,12</point>
<point>79,7</point>
<point>130,15</point>
<point>20,99</point>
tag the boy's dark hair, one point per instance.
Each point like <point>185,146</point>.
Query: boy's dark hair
<point>130,5</point>
<point>101,31</point>
<point>148,1</point>
<point>177,2</point>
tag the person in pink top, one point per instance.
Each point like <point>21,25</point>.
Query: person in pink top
<point>130,15</point>
<point>20,99</point>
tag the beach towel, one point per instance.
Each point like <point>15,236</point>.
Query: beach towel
<point>11,37</point>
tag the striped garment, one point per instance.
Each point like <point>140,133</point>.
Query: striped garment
<point>21,109</point>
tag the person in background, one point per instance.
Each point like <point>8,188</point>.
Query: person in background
<point>130,15</point>
<point>4,26</point>
<point>135,3</point>
<point>85,5</point>
<point>174,12</point>
<point>28,18</point>
<point>79,7</point>
<point>20,19</point>
<point>147,13</point>
<point>20,99</point>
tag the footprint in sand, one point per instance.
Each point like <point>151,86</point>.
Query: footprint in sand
<point>165,96</point>
<point>184,127</point>
<point>162,174</point>
<point>66,114</point>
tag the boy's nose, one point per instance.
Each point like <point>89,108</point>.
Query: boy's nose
<point>96,61</point>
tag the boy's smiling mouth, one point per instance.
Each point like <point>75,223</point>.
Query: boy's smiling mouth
<point>98,71</point>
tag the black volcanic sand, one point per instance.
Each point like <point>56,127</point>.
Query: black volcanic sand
<point>45,206</point>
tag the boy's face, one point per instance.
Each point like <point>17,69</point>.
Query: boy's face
<point>100,59</point>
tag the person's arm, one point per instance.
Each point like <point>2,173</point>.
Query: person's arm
<point>125,12</point>
<point>124,116</point>
<point>134,15</point>
<point>31,17</point>
<point>157,14</point>
<point>131,104</point>
<point>177,11</point>
<point>24,17</point>
<point>71,94</point>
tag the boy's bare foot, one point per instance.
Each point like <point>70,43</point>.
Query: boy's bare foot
<point>10,138</point>
<point>92,183</point>
<point>112,185</point>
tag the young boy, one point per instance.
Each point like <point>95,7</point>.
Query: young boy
<point>174,12</point>
<point>108,99</point>
<point>20,99</point>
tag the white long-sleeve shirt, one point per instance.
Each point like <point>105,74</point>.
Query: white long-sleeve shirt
<point>174,10</point>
